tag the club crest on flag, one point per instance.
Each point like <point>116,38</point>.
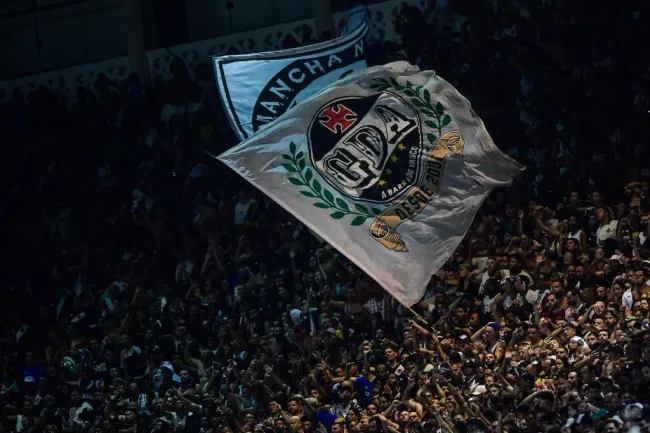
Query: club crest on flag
<point>389,166</point>
<point>374,158</point>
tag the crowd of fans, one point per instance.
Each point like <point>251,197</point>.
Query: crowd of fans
<point>147,288</point>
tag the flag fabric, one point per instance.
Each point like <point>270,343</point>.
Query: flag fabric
<point>389,165</point>
<point>256,89</point>
<point>356,18</point>
<point>374,306</point>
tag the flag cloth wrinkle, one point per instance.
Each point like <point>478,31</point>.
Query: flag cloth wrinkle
<point>257,88</point>
<point>356,18</point>
<point>388,165</point>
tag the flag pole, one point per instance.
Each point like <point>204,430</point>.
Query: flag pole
<point>417,316</point>
<point>424,323</point>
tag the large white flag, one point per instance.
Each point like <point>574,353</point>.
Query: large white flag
<point>258,88</point>
<point>389,166</point>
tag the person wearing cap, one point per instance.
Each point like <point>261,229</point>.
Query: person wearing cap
<point>477,390</point>
<point>346,401</point>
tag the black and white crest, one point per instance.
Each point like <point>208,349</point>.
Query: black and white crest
<point>369,147</point>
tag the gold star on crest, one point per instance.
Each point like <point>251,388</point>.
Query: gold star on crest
<point>401,146</point>
<point>381,182</point>
<point>388,171</point>
<point>394,159</point>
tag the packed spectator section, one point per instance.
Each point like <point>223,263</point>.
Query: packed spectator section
<point>148,288</point>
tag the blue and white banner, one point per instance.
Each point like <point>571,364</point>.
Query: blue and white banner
<point>356,18</point>
<point>258,88</point>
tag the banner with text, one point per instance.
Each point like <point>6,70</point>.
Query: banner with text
<point>258,88</point>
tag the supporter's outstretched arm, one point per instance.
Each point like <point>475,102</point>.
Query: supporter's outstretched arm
<point>410,403</point>
<point>310,411</point>
<point>505,382</point>
<point>136,295</point>
<point>454,304</point>
<point>530,398</point>
<point>229,396</point>
<point>638,249</point>
<point>235,421</point>
<point>585,316</point>
<point>557,331</point>
<point>366,363</point>
<point>272,395</point>
<point>239,256</point>
<point>125,322</point>
<point>236,337</point>
<point>388,307</point>
<point>494,309</point>
<point>468,410</point>
<point>195,408</point>
<point>249,377</point>
<point>294,267</point>
<point>387,426</point>
<point>340,379</point>
<point>218,261</point>
<point>240,379</point>
<point>546,229</point>
<point>475,276</point>
<point>583,242</point>
<point>394,405</point>
<point>460,400</point>
<point>285,417</point>
<point>206,262</point>
<point>326,267</point>
<point>477,410</point>
<point>504,363</point>
<point>438,388</point>
<point>318,386</point>
<point>477,335</point>
<point>520,223</point>
<point>283,386</point>
<point>439,349</point>
<point>559,391</point>
<point>587,360</point>
<point>209,386</point>
<point>499,428</point>
<point>419,327</point>
<point>536,315</point>
<point>470,253</point>
<point>441,421</point>
<point>304,387</point>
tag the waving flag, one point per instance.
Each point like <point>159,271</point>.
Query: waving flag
<point>258,88</point>
<point>389,166</point>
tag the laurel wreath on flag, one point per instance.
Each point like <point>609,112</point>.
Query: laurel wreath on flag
<point>421,98</point>
<point>325,199</point>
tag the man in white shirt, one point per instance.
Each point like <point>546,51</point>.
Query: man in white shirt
<point>628,298</point>
<point>608,226</point>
